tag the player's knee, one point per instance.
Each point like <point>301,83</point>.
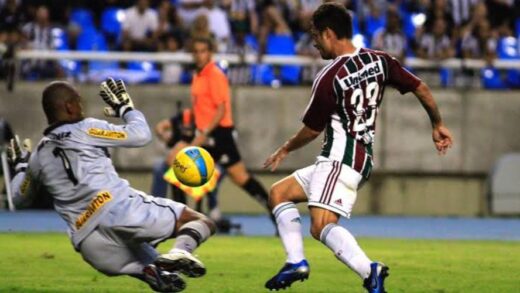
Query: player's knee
<point>316,229</point>
<point>276,195</point>
<point>190,215</point>
<point>211,224</point>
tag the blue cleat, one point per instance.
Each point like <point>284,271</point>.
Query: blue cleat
<point>375,283</point>
<point>289,274</point>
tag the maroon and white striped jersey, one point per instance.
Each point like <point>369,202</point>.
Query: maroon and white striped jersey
<point>345,99</point>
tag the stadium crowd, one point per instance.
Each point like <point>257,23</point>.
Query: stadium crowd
<point>430,29</point>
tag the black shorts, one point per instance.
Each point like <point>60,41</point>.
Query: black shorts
<point>222,146</point>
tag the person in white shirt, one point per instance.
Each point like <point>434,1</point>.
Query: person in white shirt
<point>189,10</point>
<point>436,44</point>
<point>218,24</point>
<point>37,35</point>
<point>140,28</point>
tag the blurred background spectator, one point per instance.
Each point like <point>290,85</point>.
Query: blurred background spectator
<point>479,43</point>
<point>391,38</point>
<point>172,71</point>
<point>436,44</point>
<point>140,28</point>
<point>37,35</point>
<point>12,16</point>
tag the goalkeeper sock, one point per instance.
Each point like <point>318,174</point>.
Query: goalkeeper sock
<point>346,249</point>
<point>191,235</point>
<point>290,229</point>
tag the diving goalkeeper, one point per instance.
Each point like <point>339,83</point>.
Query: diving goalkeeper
<point>113,226</point>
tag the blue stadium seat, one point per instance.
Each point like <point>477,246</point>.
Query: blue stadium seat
<point>82,18</point>
<point>372,24</point>
<point>262,74</point>
<point>408,26</point>
<point>491,79</point>
<point>111,20</point>
<point>59,39</point>
<point>355,24</point>
<point>446,77</point>
<point>513,78</point>
<point>93,40</point>
<point>186,77</point>
<point>252,41</point>
<point>508,48</point>
<point>280,45</point>
<point>410,23</point>
<point>517,27</point>
<point>60,42</point>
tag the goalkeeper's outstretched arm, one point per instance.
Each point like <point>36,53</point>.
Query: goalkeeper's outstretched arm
<point>134,133</point>
<point>23,184</point>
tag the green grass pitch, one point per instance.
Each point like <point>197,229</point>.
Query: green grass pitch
<point>46,262</point>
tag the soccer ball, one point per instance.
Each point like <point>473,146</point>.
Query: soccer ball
<point>193,166</point>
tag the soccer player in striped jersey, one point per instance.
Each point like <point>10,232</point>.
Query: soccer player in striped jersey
<point>345,99</point>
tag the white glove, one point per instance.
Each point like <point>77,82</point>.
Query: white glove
<point>115,95</point>
<point>18,155</point>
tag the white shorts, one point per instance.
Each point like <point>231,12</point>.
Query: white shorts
<point>124,239</point>
<point>330,185</point>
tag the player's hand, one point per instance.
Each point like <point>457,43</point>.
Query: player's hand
<point>442,139</point>
<point>165,136</point>
<point>174,151</point>
<point>275,159</point>
<point>18,154</point>
<point>199,140</point>
<point>114,93</point>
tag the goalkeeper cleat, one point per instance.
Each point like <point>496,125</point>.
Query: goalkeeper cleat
<point>181,261</point>
<point>162,281</point>
<point>289,274</point>
<point>375,283</point>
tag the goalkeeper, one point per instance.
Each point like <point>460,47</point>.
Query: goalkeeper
<point>113,226</point>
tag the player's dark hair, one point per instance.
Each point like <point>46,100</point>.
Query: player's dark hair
<point>208,41</point>
<point>335,17</point>
<point>54,94</point>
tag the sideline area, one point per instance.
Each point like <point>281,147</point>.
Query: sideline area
<point>362,226</point>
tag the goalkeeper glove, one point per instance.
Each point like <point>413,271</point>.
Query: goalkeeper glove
<point>18,154</point>
<point>115,95</point>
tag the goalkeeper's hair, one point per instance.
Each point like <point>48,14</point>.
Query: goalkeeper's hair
<point>55,94</point>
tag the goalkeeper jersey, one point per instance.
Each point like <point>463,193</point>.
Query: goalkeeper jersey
<point>73,165</point>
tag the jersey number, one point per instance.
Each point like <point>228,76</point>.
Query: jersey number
<point>59,152</point>
<point>357,99</point>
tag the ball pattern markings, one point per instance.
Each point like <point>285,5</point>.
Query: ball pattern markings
<point>198,159</point>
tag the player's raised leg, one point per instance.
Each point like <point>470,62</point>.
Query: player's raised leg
<point>324,227</point>
<point>283,196</point>
<point>192,229</point>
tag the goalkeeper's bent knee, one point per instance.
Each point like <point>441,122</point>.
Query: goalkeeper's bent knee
<point>200,230</point>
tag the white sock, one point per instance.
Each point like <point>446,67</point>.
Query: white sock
<point>290,228</point>
<point>191,235</point>
<point>346,249</point>
<point>215,214</point>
